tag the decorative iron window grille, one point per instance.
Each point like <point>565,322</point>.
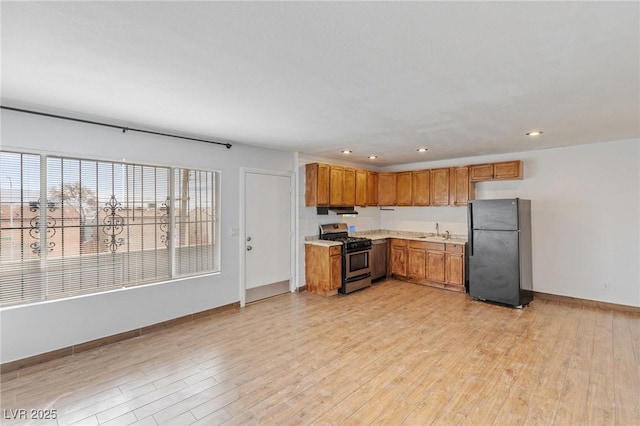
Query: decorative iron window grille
<point>164,222</point>
<point>113,224</point>
<point>34,223</point>
<point>107,225</point>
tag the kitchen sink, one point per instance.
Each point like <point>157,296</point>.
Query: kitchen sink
<point>437,239</point>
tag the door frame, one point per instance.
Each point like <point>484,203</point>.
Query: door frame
<point>243,227</point>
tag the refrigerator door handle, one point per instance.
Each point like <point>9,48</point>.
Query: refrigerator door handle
<point>470,236</point>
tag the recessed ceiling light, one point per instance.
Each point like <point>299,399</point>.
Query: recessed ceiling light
<point>346,151</point>
<point>534,133</point>
<point>422,150</point>
<point>373,157</point>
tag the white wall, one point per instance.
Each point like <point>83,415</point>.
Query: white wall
<point>42,327</point>
<point>585,204</point>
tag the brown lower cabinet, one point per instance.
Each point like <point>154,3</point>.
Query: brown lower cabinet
<point>434,264</point>
<point>398,257</point>
<point>323,269</point>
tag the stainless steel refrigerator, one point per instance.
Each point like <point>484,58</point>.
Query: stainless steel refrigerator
<point>500,251</point>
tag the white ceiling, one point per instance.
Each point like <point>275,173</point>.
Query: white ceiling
<point>460,78</point>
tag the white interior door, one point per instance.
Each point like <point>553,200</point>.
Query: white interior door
<point>267,235</point>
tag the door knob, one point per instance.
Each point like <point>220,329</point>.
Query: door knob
<point>249,248</point>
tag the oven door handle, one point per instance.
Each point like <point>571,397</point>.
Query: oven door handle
<point>358,250</point>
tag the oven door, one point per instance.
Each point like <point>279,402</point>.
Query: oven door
<point>357,264</point>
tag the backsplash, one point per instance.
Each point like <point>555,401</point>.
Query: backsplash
<point>397,233</point>
<point>424,219</point>
<point>368,219</point>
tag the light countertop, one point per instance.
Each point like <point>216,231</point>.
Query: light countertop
<point>315,241</point>
<point>381,234</point>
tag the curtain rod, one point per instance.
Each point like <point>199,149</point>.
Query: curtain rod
<point>113,126</point>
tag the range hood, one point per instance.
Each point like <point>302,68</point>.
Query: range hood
<point>343,210</point>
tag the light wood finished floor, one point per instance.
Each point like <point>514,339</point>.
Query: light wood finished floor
<point>396,353</point>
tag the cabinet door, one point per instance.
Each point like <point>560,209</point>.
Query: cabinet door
<point>335,185</point>
<point>336,272</point>
<point>420,188</point>
<point>399,258</point>
<point>480,172</point>
<point>349,187</point>
<point>403,188</point>
<point>372,188</point>
<point>386,189</point>
<point>440,187</point>
<point>379,259</point>
<point>435,266</point>
<point>316,192</point>
<point>323,185</point>
<point>507,170</point>
<point>321,271</point>
<point>454,264</point>
<point>461,189</point>
<point>417,263</point>
<point>361,188</point>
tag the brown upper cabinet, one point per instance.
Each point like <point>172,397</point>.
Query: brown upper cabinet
<point>372,188</point>
<point>440,181</point>
<point>461,189</point>
<point>361,188</point>
<point>316,191</point>
<point>387,189</point>
<point>481,172</point>
<point>506,170</point>
<point>403,188</point>
<point>348,187</point>
<point>420,187</point>
<point>329,185</point>
<point>336,183</point>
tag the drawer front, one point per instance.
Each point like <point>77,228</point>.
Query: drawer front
<point>455,248</point>
<point>423,245</point>
<point>335,250</point>
<point>399,243</point>
<point>435,246</point>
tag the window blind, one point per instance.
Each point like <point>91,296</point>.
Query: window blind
<point>194,216</point>
<point>22,274</point>
<point>104,225</point>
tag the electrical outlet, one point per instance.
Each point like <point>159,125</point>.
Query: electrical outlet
<point>607,285</point>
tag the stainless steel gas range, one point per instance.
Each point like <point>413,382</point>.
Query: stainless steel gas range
<point>356,255</point>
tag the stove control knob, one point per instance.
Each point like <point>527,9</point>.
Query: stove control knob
<point>249,248</point>
<point>248,238</point>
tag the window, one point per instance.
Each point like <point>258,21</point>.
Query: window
<point>104,225</point>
